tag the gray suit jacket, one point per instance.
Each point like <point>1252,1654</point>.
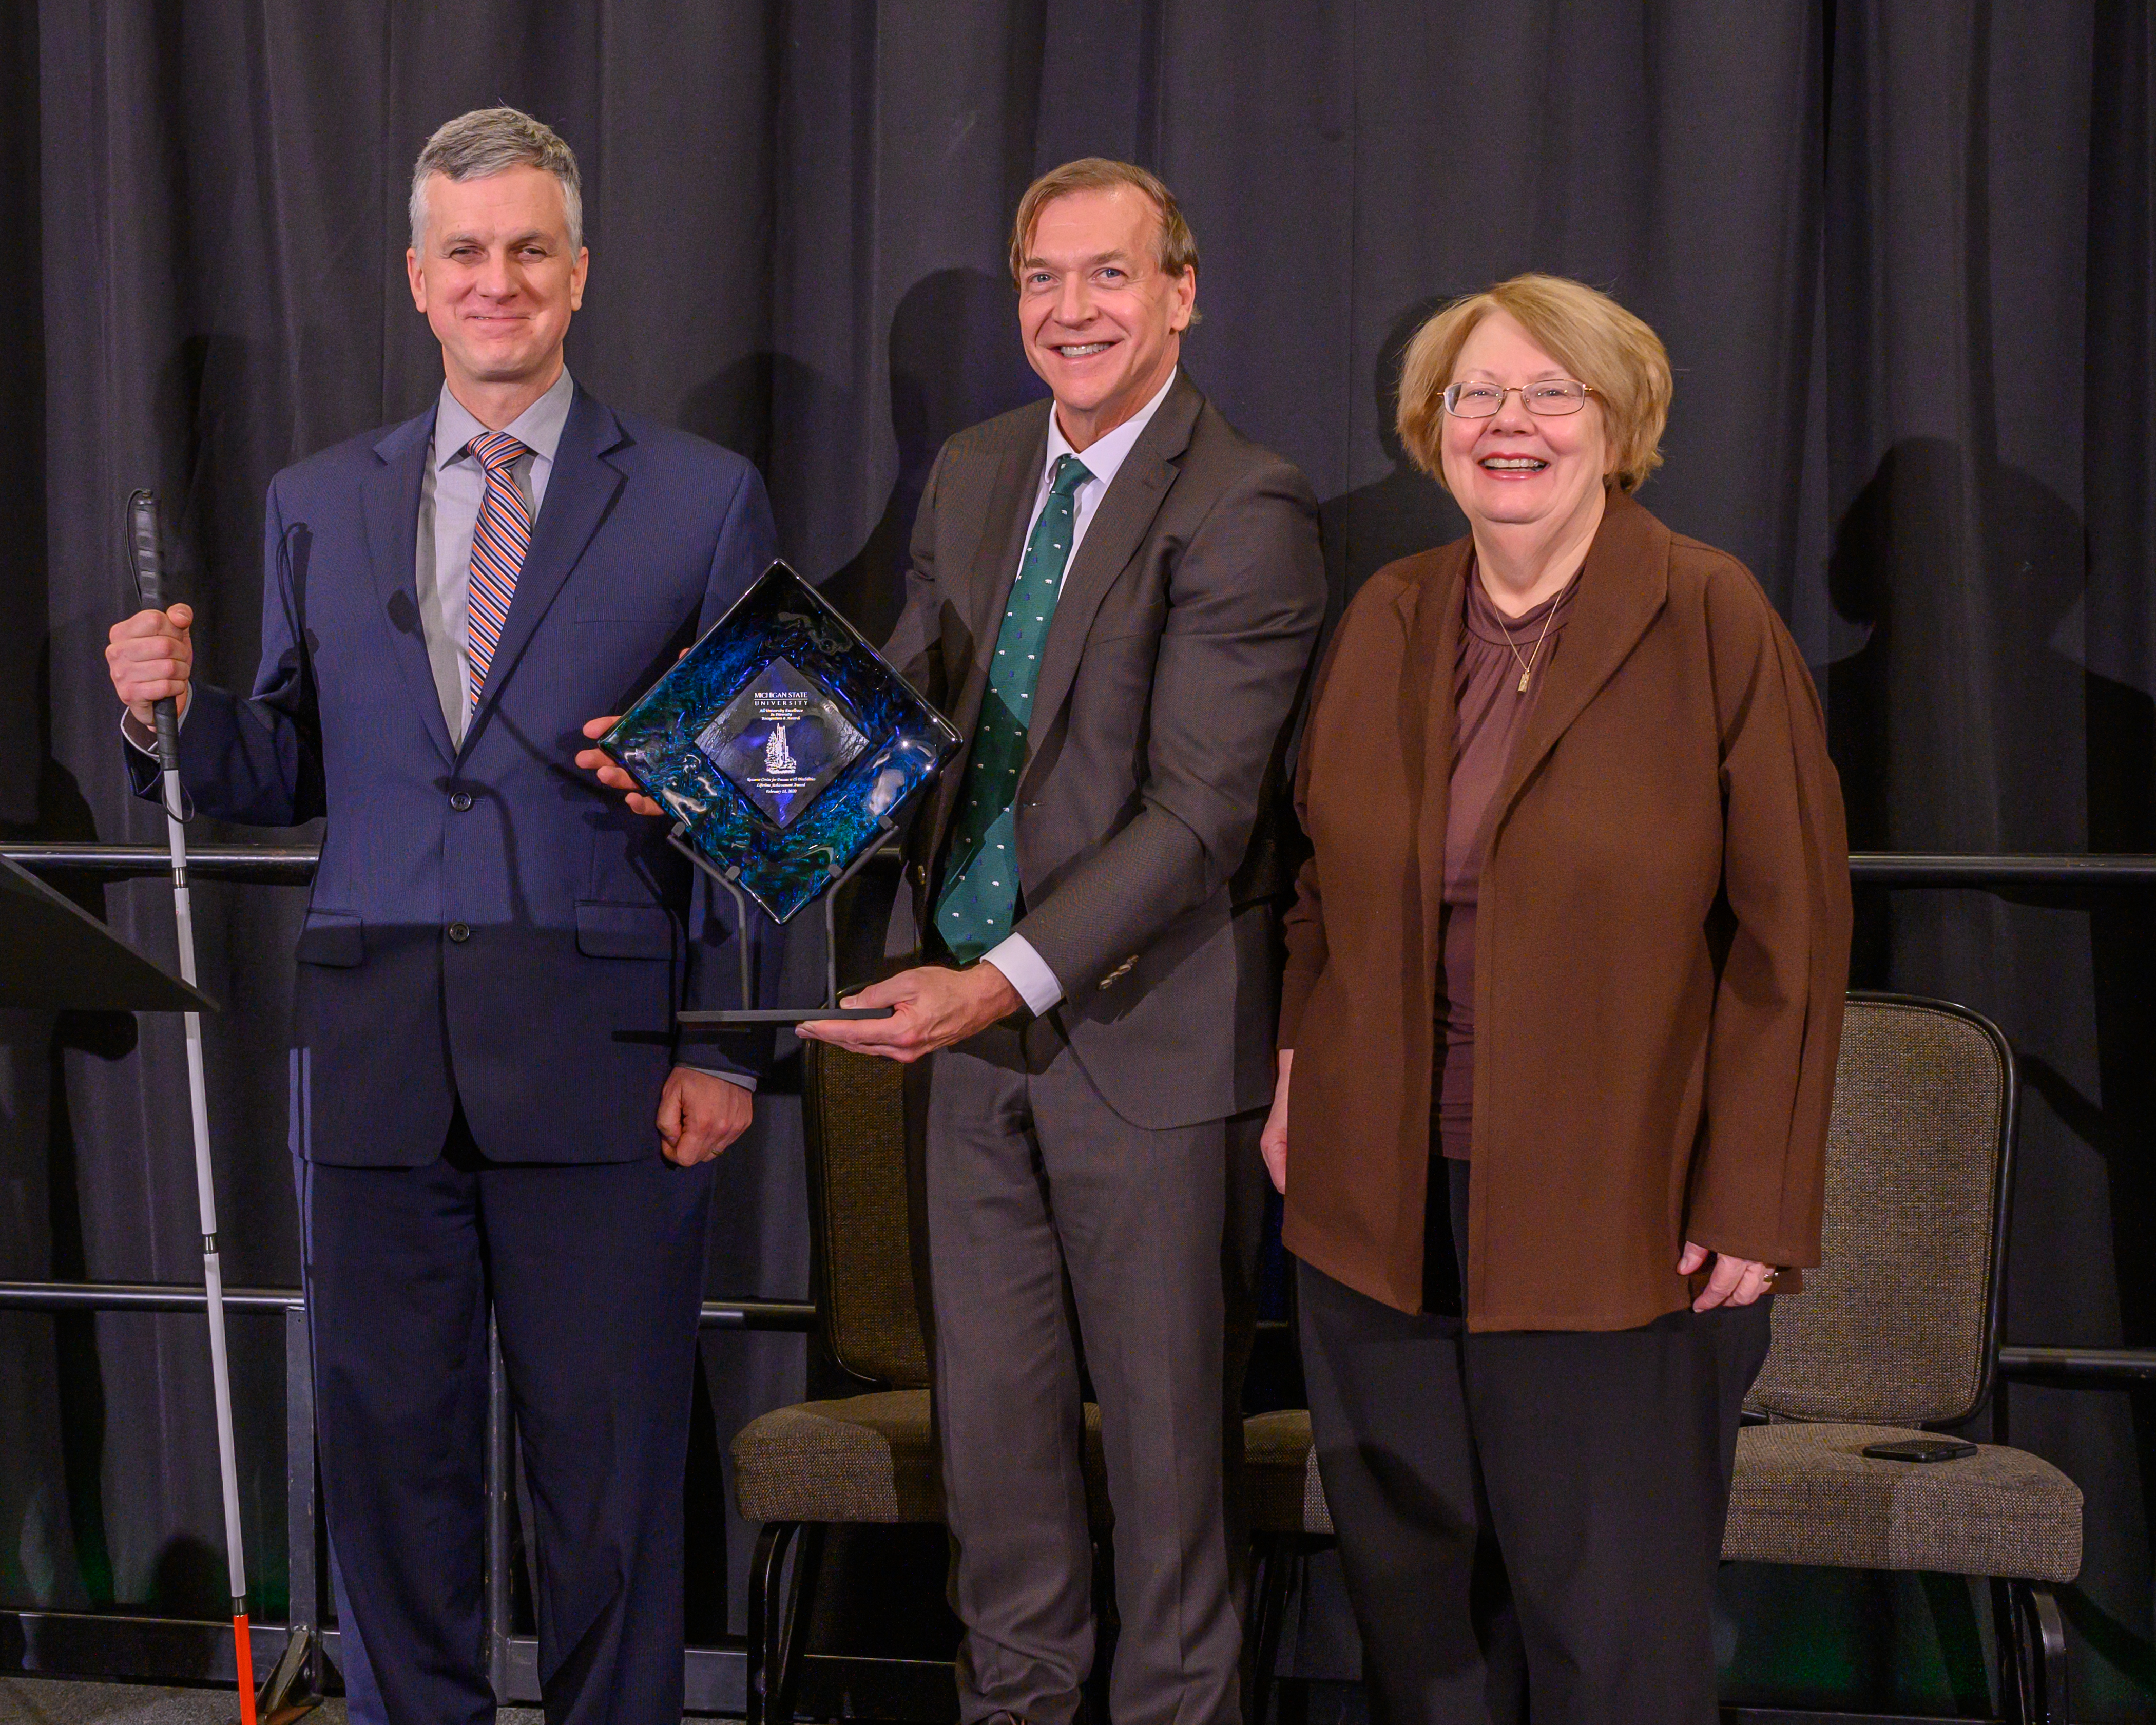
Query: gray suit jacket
<point>1147,844</point>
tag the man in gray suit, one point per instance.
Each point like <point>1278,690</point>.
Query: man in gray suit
<point>1115,597</point>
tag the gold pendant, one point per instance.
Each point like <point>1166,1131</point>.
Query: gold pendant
<point>1524,675</point>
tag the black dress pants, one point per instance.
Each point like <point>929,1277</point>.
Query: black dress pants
<point>595,1271</point>
<point>1529,1521</point>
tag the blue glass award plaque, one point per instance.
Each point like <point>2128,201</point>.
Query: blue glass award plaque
<point>784,746</point>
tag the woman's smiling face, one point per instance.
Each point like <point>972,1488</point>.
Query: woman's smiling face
<point>1515,468</point>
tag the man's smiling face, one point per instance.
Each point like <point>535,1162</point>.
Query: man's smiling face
<point>1102,321</point>
<point>496,276</point>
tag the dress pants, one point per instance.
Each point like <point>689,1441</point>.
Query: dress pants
<point>1530,1521</point>
<point>595,1272</point>
<point>1058,1233</point>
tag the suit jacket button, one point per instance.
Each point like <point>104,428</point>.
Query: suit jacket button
<point>460,800</point>
<point>461,933</point>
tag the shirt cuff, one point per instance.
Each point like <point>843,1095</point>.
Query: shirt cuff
<point>743,1079</point>
<point>1027,972</point>
<point>141,736</point>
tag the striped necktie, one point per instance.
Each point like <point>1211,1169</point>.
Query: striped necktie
<point>980,894</point>
<point>499,543</point>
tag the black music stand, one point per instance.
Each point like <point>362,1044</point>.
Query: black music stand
<point>55,956</point>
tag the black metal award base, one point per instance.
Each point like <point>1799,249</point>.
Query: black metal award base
<point>785,748</point>
<point>730,879</point>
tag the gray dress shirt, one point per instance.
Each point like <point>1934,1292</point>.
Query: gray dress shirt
<point>451,487</point>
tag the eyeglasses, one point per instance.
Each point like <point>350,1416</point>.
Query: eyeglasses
<point>1547,400</point>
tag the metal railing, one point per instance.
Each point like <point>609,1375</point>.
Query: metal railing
<point>294,865</point>
<point>101,1645</point>
<point>2088,1368</point>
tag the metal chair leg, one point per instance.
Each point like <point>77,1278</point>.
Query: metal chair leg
<point>2032,1653</point>
<point>2009,1656</point>
<point>793,1626</point>
<point>1254,1712</point>
<point>1278,1562</point>
<point>765,1568</point>
<point>2047,1646</point>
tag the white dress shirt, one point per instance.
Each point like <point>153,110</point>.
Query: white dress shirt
<point>1024,968</point>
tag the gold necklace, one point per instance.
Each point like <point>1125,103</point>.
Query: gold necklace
<point>1528,665</point>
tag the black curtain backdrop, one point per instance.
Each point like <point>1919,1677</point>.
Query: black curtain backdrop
<point>1901,252</point>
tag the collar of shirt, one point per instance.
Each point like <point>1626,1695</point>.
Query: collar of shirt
<point>1104,456</point>
<point>452,491</point>
<point>538,427</point>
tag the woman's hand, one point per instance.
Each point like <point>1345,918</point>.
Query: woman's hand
<point>1272,1141</point>
<point>1735,1282</point>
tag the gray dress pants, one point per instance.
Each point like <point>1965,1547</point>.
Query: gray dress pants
<point>1063,1240</point>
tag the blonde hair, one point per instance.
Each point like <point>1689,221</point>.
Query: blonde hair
<point>1597,341</point>
<point>1173,248</point>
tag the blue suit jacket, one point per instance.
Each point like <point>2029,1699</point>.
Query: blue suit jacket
<point>486,924</point>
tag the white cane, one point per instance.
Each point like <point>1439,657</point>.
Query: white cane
<point>150,585</point>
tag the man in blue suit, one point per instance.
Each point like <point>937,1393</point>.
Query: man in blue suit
<point>490,1105</point>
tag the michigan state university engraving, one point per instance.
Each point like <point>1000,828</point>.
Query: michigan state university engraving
<point>780,740</point>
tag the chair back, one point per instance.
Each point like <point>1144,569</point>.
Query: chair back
<point>1899,1324</point>
<point>853,1120</point>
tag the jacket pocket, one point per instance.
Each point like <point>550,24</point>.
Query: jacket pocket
<point>334,937</point>
<point>607,930</point>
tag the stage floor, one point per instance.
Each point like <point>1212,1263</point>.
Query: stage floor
<point>52,1700</point>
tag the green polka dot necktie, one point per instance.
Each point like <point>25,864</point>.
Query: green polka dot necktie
<point>980,891</point>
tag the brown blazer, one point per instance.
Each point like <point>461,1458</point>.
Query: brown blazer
<point>1663,943</point>
<point>1148,859</point>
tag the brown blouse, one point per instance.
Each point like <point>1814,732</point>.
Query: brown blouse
<point>1492,710</point>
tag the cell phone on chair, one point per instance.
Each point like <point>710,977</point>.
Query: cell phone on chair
<point>1921,1448</point>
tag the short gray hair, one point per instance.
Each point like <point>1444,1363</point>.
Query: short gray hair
<point>491,140</point>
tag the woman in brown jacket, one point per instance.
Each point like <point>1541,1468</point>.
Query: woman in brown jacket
<point>1558,1040</point>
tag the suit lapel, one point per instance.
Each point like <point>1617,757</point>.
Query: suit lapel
<point>1007,512</point>
<point>389,501</point>
<point>1431,611</point>
<point>994,501</point>
<point>989,565</point>
<point>1623,586</point>
<point>1112,538</point>
<point>580,491</point>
